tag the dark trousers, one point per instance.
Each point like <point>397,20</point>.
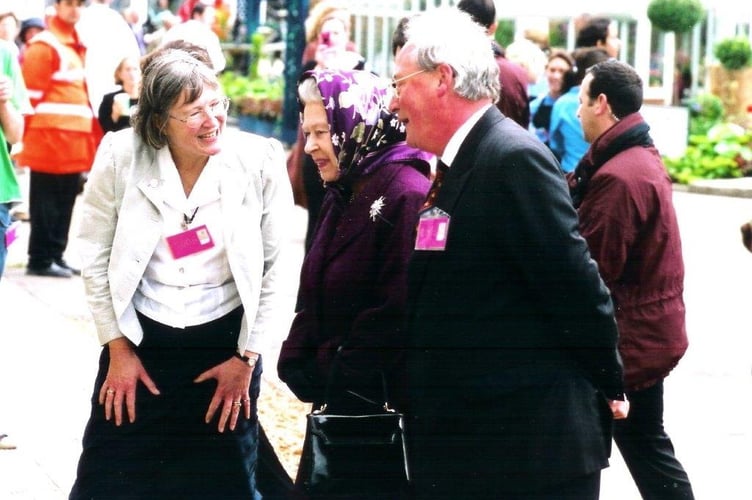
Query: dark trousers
<point>647,449</point>
<point>582,488</point>
<point>169,452</point>
<point>51,200</point>
<point>272,480</point>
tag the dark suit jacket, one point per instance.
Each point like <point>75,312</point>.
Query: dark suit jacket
<point>512,330</point>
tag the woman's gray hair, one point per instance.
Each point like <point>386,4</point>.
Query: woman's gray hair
<point>167,74</point>
<point>450,36</point>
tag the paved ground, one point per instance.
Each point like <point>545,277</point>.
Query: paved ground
<point>48,355</point>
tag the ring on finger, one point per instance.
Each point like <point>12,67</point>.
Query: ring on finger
<point>110,391</point>
<point>236,403</point>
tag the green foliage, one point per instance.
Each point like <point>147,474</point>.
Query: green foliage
<point>705,111</point>
<point>724,152</point>
<point>253,96</point>
<point>678,16</point>
<point>257,45</point>
<point>557,35</point>
<point>504,32</point>
<point>733,53</point>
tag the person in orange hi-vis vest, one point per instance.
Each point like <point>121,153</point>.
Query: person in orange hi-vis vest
<point>60,138</point>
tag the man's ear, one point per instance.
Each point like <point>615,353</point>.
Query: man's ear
<point>446,74</point>
<point>602,104</point>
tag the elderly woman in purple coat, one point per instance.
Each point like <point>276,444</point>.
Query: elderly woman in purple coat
<point>353,283</point>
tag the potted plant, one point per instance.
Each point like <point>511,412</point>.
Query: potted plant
<point>731,80</point>
<point>677,16</point>
<point>256,97</point>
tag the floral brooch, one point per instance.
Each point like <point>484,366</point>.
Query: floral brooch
<point>376,207</point>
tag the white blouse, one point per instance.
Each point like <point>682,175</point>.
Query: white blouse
<point>197,288</point>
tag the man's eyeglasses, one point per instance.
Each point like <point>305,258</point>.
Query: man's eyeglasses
<point>212,110</point>
<point>396,88</point>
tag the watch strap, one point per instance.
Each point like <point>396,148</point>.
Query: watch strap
<point>247,359</point>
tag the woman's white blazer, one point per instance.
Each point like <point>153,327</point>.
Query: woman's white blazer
<point>122,225</point>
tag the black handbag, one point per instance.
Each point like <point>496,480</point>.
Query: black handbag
<point>354,455</point>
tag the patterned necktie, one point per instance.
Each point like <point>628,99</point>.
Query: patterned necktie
<point>441,169</point>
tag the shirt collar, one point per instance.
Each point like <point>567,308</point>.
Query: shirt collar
<point>453,146</point>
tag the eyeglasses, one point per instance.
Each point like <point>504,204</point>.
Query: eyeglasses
<point>396,88</point>
<point>212,110</point>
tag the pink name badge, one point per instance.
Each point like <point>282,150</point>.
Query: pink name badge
<point>190,242</point>
<point>432,233</point>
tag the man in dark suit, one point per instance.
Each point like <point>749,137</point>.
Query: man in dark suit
<point>513,360</point>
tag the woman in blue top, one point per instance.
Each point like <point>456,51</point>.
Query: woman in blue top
<point>566,139</point>
<point>559,67</point>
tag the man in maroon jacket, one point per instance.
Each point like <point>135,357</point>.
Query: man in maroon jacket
<point>513,101</point>
<point>624,199</point>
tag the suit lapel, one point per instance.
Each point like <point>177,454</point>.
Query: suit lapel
<point>463,164</point>
<point>454,184</point>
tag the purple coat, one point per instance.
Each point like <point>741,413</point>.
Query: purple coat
<point>353,287</point>
<point>353,284</point>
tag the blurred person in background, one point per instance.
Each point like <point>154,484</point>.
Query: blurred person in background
<point>532,58</point>
<point>600,32</point>
<point>320,12</point>
<point>329,47</point>
<point>29,28</point>
<point>224,14</point>
<point>565,136</point>
<point>9,27</point>
<point>198,30</point>
<point>108,39</point>
<point>116,107</point>
<point>136,24</point>
<point>558,76</point>
<point>158,11</point>
<point>513,101</point>
<point>60,137</point>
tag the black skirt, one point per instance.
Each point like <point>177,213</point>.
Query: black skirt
<point>169,452</point>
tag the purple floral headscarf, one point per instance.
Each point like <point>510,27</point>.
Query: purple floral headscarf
<point>365,133</point>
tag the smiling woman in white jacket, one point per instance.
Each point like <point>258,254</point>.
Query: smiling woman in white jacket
<point>181,240</point>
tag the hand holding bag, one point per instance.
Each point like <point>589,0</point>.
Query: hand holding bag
<point>354,455</point>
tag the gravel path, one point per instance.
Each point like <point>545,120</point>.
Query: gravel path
<point>283,419</point>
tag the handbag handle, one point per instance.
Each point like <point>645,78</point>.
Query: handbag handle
<point>330,381</point>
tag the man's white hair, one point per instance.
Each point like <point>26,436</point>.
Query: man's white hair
<point>450,36</point>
